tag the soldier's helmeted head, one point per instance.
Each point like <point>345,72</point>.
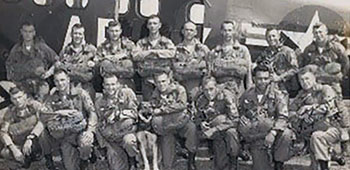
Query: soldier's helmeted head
<point>78,33</point>
<point>189,30</point>
<point>154,24</point>
<point>61,80</point>
<point>27,31</point>
<point>210,89</point>
<point>110,84</point>
<point>307,77</point>
<point>273,37</point>
<point>320,32</point>
<point>229,30</point>
<point>18,97</point>
<point>162,80</point>
<point>114,30</point>
<point>262,78</point>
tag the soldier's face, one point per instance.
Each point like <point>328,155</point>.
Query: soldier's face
<point>114,32</point>
<point>19,99</point>
<point>162,82</point>
<point>61,81</point>
<point>307,80</point>
<point>189,31</point>
<point>210,90</point>
<point>153,25</point>
<point>320,34</point>
<point>228,32</point>
<point>28,32</point>
<point>78,35</point>
<point>262,79</point>
<point>110,85</point>
<point>273,38</point>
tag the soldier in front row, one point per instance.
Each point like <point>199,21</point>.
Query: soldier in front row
<point>21,132</point>
<point>71,122</point>
<point>114,55</point>
<point>263,122</point>
<point>190,60</point>
<point>117,111</point>
<point>170,119</point>
<point>322,116</point>
<point>230,61</point>
<point>217,118</point>
<point>153,53</point>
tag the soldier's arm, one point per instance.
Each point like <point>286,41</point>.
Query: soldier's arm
<point>179,105</point>
<point>50,54</point>
<point>138,54</point>
<point>90,108</point>
<point>342,58</point>
<point>4,131</point>
<point>168,52</point>
<point>282,111</point>
<point>10,69</point>
<point>292,59</point>
<point>132,103</point>
<point>249,80</point>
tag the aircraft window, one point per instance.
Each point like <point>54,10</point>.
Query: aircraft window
<point>197,13</point>
<point>77,4</point>
<point>123,6</point>
<point>149,7</point>
<point>43,2</point>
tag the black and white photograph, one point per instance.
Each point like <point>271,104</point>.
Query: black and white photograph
<point>174,85</point>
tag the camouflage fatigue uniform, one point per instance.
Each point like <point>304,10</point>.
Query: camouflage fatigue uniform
<point>68,140</point>
<point>222,114</point>
<point>190,66</point>
<point>173,120</point>
<point>328,115</point>
<point>261,113</point>
<point>26,67</point>
<point>232,67</point>
<point>117,60</point>
<point>332,52</point>
<point>118,135</point>
<point>76,63</point>
<point>281,61</point>
<point>18,124</point>
<point>148,64</point>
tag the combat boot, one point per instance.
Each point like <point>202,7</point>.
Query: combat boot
<point>323,165</point>
<point>191,161</point>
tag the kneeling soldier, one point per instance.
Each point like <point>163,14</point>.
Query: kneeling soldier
<point>21,130</point>
<point>117,110</point>
<point>218,119</point>
<point>263,122</point>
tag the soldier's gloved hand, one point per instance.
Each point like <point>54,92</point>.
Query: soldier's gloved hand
<point>27,147</point>
<point>87,138</point>
<point>270,138</point>
<point>17,154</point>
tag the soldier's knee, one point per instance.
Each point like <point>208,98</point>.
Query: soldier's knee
<point>129,139</point>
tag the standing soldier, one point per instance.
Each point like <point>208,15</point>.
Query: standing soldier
<point>117,110</point>
<point>324,51</point>
<point>153,53</point>
<point>321,116</point>
<point>263,122</point>
<point>73,120</point>
<point>169,118</point>
<point>231,62</point>
<point>77,58</point>
<point>114,55</point>
<point>281,61</point>
<point>21,130</point>
<point>218,119</point>
<point>29,61</point>
<point>190,60</point>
